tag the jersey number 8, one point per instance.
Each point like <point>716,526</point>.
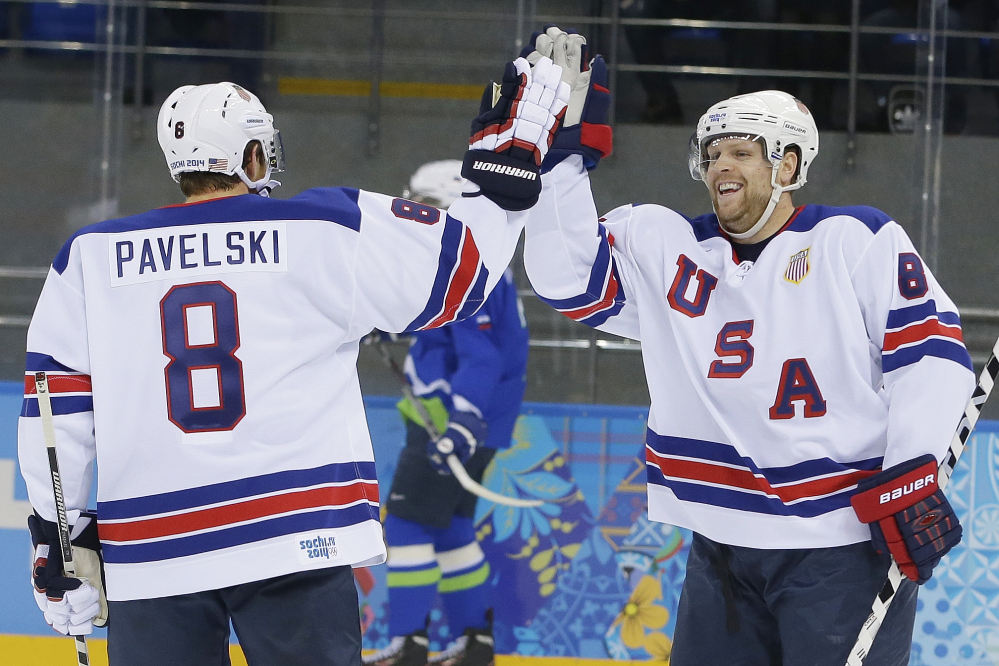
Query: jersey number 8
<point>204,379</point>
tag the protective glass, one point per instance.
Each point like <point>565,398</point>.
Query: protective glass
<point>277,152</point>
<point>698,160</point>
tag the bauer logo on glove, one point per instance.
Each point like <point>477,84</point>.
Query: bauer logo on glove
<point>909,516</point>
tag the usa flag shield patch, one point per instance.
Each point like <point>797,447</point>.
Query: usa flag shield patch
<point>797,268</point>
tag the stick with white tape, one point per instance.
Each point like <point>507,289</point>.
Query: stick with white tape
<point>62,522</point>
<point>986,382</point>
<point>467,482</point>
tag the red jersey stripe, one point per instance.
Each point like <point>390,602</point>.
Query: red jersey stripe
<point>61,384</point>
<point>221,516</point>
<point>460,283</point>
<point>606,302</point>
<point>919,332</point>
<point>746,480</point>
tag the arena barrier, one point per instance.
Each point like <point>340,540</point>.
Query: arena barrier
<point>585,576</point>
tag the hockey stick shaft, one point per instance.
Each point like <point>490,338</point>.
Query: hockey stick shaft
<point>62,521</point>
<point>459,471</point>
<point>958,443</point>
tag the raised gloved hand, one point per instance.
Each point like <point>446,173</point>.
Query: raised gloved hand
<point>72,606</point>
<point>516,124</point>
<point>909,516</point>
<point>465,432</point>
<point>584,130</point>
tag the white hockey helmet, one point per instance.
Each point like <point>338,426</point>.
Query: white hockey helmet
<point>207,127</point>
<point>775,118</point>
<point>436,183</point>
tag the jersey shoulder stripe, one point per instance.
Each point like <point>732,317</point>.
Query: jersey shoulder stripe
<point>716,474</point>
<point>460,284</point>
<point>811,215</point>
<point>917,331</point>
<point>333,204</point>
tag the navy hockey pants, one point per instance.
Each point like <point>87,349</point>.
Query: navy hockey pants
<point>804,607</point>
<point>308,618</point>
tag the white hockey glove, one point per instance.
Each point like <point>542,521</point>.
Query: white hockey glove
<point>465,432</point>
<point>584,129</point>
<point>510,137</point>
<point>72,606</point>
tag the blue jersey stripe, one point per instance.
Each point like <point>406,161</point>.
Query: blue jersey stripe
<point>476,295</point>
<point>332,204</point>
<point>61,405</point>
<point>698,449</point>
<point>595,287</point>
<point>739,500</point>
<point>598,318</point>
<point>35,362</point>
<point>904,316</point>
<point>192,498</point>
<point>938,347</point>
<point>237,536</point>
<point>450,243</point>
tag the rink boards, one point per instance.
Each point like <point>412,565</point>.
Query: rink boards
<point>568,569</point>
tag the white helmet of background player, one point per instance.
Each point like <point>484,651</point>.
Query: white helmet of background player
<point>775,118</point>
<point>207,127</point>
<point>436,183</point>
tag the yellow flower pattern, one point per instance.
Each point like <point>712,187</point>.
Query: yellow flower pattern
<point>642,612</point>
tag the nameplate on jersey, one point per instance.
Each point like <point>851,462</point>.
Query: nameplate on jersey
<point>172,253</point>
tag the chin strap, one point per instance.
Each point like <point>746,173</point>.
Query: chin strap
<point>774,198</point>
<point>263,186</point>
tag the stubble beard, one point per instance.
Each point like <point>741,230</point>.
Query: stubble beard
<point>742,219</point>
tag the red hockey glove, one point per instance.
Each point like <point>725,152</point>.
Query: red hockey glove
<point>909,516</point>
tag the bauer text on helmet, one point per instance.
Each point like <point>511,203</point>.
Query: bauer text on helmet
<point>207,128</point>
<point>774,118</point>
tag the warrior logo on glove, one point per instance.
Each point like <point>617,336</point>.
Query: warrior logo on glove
<point>513,132</point>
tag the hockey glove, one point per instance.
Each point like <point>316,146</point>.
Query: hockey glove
<point>72,606</point>
<point>465,432</point>
<point>516,124</point>
<point>909,516</point>
<point>584,130</point>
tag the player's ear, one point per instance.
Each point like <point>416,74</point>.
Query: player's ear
<point>788,167</point>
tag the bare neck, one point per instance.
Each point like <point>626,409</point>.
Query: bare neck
<point>239,189</point>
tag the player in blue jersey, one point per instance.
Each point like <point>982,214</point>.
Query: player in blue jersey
<point>806,372</point>
<point>206,354</point>
<point>469,375</point>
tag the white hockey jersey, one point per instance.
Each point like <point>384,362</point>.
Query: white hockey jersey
<point>205,354</point>
<point>776,385</point>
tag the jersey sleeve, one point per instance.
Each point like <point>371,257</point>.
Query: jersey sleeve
<point>57,344</point>
<point>915,332</point>
<point>418,267</point>
<point>576,263</point>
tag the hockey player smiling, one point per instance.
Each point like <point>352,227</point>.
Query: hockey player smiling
<point>738,178</point>
<point>805,370</point>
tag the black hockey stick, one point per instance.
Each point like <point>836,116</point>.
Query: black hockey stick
<point>467,482</point>
<point>62,522</point>
<point>986,382</point>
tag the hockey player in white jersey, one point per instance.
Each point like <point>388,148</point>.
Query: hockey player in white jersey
<point>806,372</point>
<point>205,354</point>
